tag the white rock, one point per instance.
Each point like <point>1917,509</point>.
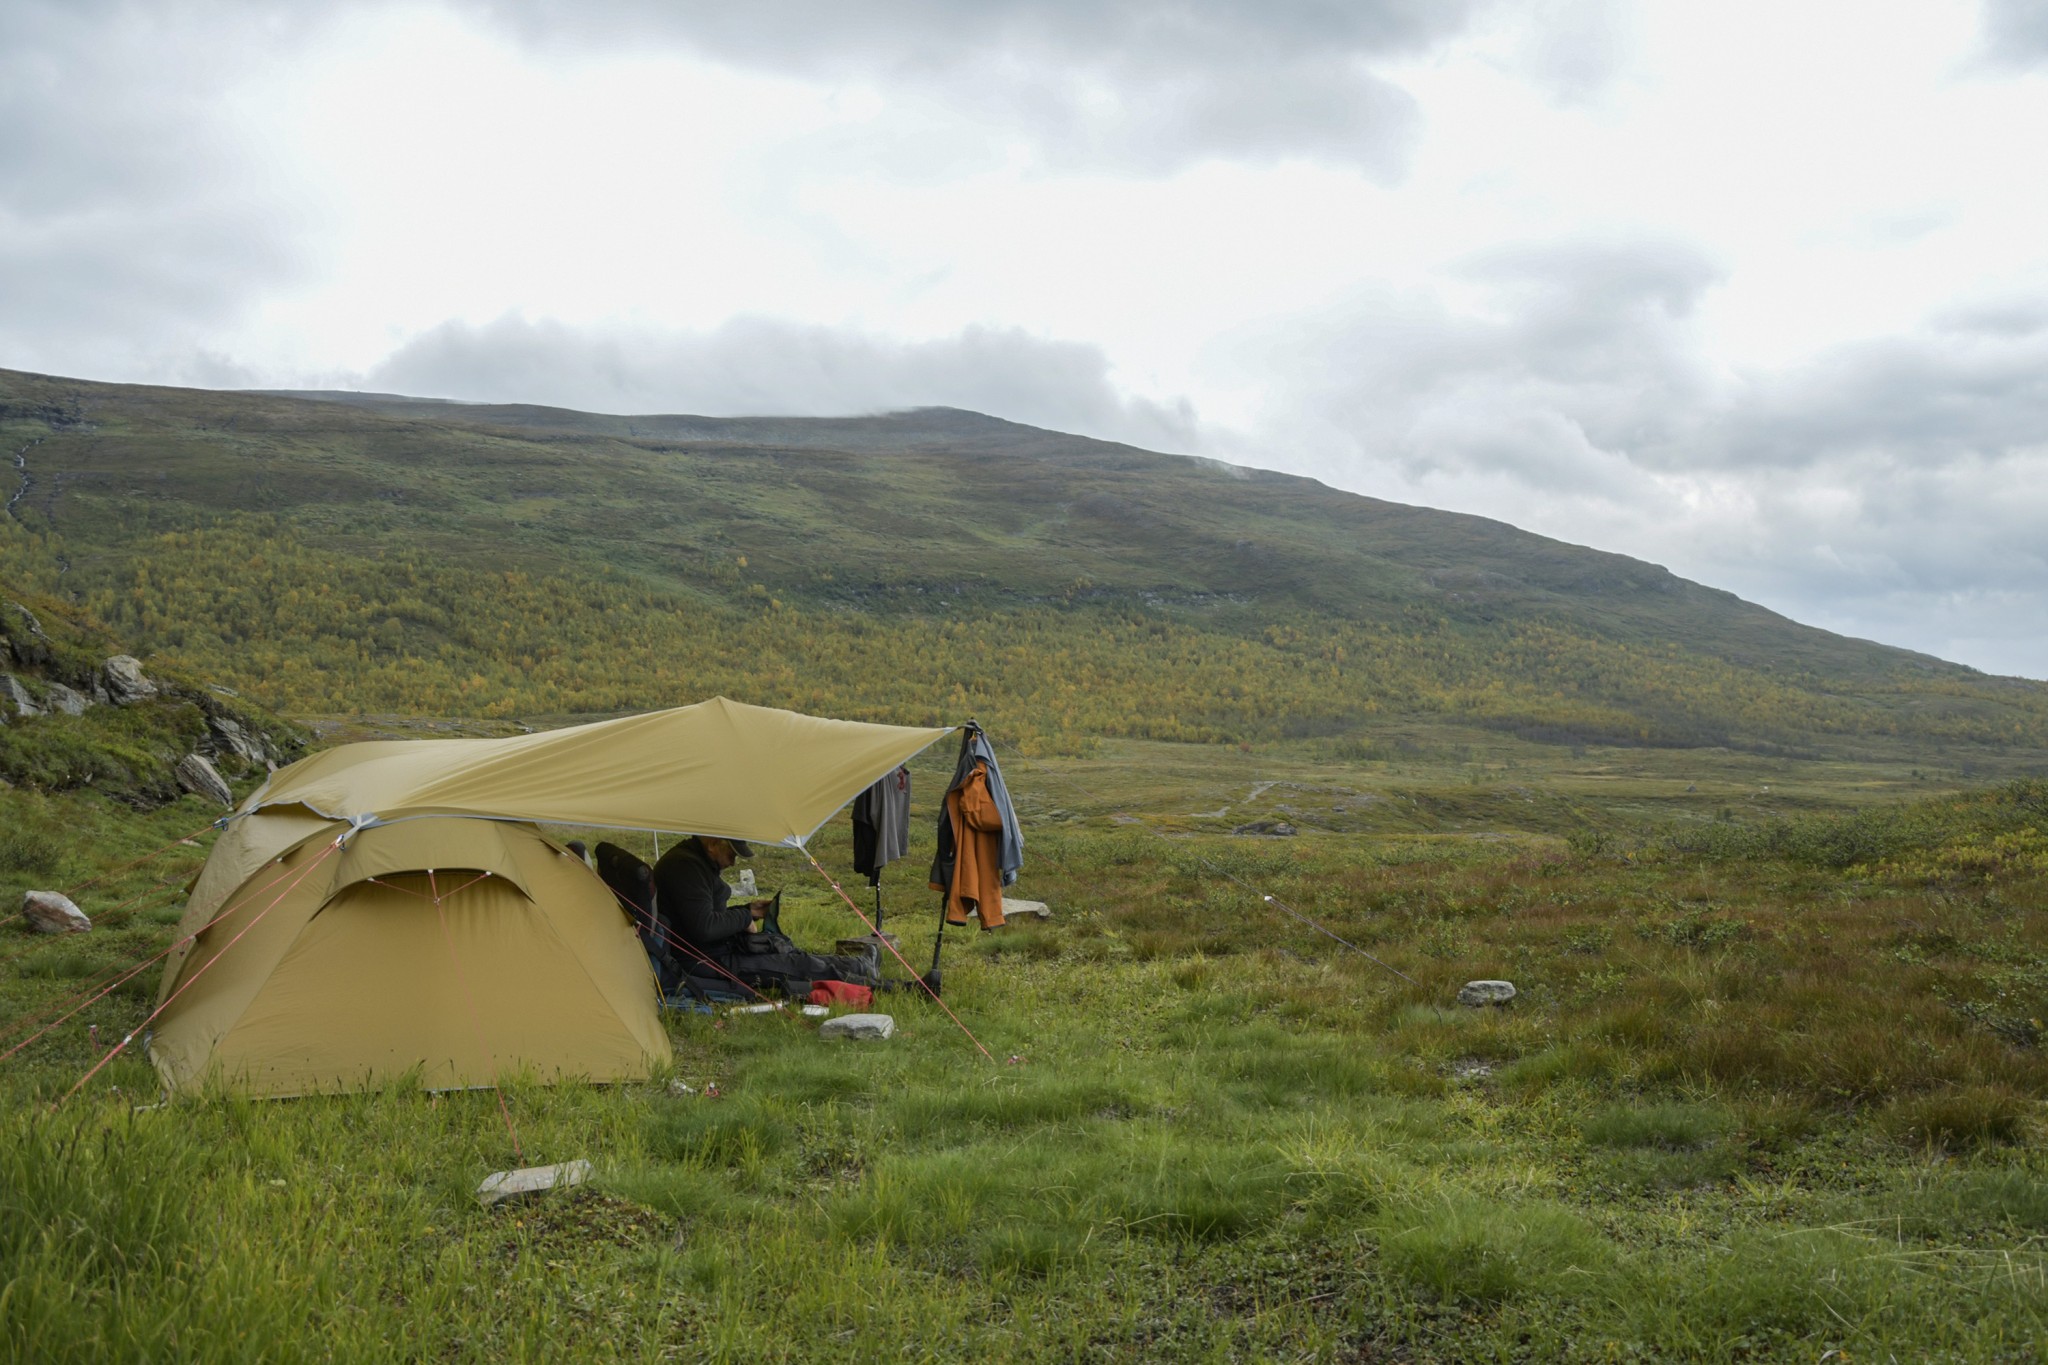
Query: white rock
<point>1014,908</point>
<point>53,913</point>
<point>125,683</point>
<point>199,777</point>
<point>858,1026</point>
<point>502,1185</point>
<point>1486,993</point>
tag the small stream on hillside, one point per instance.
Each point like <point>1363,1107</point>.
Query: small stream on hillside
<point>21,467</point>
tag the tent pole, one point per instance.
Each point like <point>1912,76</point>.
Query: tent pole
<point>938,942</point>
<point>878,909</point>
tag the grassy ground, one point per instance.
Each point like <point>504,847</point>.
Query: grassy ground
<point>1769,1091</point>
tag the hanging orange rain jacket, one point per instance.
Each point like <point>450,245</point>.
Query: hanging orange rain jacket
<point>978,840</point>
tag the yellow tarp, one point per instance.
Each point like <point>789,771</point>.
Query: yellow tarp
<point>720,767</point>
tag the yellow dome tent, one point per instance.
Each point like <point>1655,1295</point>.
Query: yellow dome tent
<point>389,908</point>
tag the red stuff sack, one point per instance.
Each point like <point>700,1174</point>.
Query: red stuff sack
<point>841,993</point>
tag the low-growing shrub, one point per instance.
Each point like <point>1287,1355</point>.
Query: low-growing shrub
<point>1672,1127</point>
<point>1956,1118</point>
<point>1466,1250</point>
<point>30,851</point>
<point>717,1133</point>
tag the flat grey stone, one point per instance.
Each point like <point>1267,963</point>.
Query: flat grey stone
<point>52,912</point>
<point>1477,993</point>
<point>859,1026</point>
<point>199,777</point>
<point>125,683</point>
<point>1012,909</point>
<point>502,1185</point>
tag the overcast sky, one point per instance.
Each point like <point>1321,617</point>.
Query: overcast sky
<point>1755,289</point>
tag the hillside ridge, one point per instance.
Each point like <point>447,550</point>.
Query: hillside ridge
<point>1260,603</point>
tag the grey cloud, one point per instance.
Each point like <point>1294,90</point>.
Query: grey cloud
<point>132,209</point>
<point>1574,50</point>
<point>1976,387</point>
<point>1570,369</point>
<point>2016,31</point>
<point>1147,86</point>
<point>757,366</point>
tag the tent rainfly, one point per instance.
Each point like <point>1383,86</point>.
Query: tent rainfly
<point>386,909</point>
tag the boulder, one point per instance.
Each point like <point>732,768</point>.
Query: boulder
<point>1014,908</point>
<point>859,1026</point>
<point>66,699</point>
<point>125,683</point>
<point>13,694</point>
<point>1277,828</point>
<point>1477,993</point>
<point>51,912</point>
<point>199,777</point>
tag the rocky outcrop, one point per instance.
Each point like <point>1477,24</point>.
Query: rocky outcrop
<point>15,699</point>
<point>231,741</point>
<point>177,734</point>
<point>196,775</point>
<point>125,682</point>
<point>69,700</point>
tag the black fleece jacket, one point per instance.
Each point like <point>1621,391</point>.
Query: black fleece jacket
<point>692,897</point>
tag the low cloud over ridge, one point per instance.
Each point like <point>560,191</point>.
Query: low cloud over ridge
<point>754,366</point>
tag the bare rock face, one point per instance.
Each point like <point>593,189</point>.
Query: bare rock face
<point>125,683</point>
<point>68,700</point>
<point>32,650</point>
<point>14,696</point>
<point>233,740</point>
<point>1476,993</point>
<point>52,912</point>
<point>199,777</point>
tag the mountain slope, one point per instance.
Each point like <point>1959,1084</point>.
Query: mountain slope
<point>348,550</point>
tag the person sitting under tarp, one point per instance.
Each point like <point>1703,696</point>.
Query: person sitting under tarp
<point>695,907</point>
